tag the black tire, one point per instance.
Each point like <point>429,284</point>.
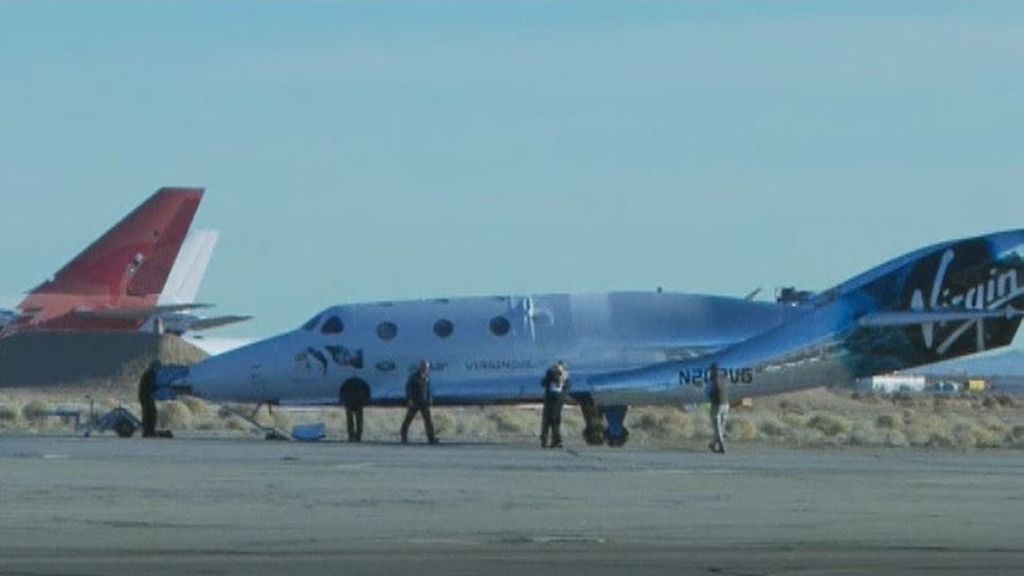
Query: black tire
<point>124,428</point>
<point>593,435</point>
<point>618,441</point>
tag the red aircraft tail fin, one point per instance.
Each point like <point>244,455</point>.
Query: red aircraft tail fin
<point>134,257</point>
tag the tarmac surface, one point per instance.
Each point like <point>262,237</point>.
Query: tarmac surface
<point>196,506</point>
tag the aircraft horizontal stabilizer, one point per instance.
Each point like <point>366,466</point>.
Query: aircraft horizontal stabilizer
<point>208,323</point>
<point>8,317</point>
<point>914,318</point>
<point>138,313</point>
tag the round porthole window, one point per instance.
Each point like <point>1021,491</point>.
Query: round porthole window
<point>443,328</point>
<point>500,325</point>
<point>387,330</point>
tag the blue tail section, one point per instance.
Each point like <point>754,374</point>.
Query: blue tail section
<point>937,303</point>
<point>975,275</point>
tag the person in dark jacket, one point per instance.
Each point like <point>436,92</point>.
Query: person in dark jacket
<point>556,388</point>
<point>418,399</point>
<point>719,396</point>
<point>147,400</point>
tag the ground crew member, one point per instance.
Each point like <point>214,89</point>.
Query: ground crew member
<point>147,400</point>
<point>556,387</point>
<point>354,395</point>
<point>719,395</point>
<point>354,422</point>
<point>417,398</point>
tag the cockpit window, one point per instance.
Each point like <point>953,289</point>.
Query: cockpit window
<point>309,326</point>
<point>334,325</point>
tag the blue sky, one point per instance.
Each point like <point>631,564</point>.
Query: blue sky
<point>375,150</point>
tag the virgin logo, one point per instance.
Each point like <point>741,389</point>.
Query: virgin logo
<point>1001,288</point>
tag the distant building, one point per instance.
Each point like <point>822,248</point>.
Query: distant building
<point>1000,372</point>
<point>891,383</point>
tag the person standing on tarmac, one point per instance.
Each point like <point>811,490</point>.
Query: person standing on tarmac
<point>147,400</point>
<point>556,387</point>
<point>354,395</point>
<point>719,396</point>
<point>418,399</point>
<point>354,422</point>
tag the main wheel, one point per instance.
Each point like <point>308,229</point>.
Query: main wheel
<point>124,428</point>
<point>620,440</point>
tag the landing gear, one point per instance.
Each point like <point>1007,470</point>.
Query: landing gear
<point>616,433</point>
<point>604,425</point>
<point>124,427</point>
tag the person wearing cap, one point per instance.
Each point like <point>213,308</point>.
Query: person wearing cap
<point>417,398</point>
<point>556,387</point>
<point>718,393</point>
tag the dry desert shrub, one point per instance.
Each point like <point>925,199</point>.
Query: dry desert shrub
<point>829,424</point>
<point>806,437</point>
<point>996,425</point>
<point>928,430</point>
<point>903,399</point>
<point>208,425</point>
<point>771,426</point>
<point>794,421</point>
<point>791,407</point>
<point>236,424</point>
<point>896,439</point>
<point>663,424</point>
<point>886,422</point>
<point>444,422</point>
<point>867,398</point>
<point>1007,401</point>
<point>742,429</point>
<point>9,415</point>
<point>282,420</point>
<point>34,411</point>
<point>174,415</point>
<point>971,435</point>
<point>510,422</point>
<point>863,434</point>
<point>197,407</point>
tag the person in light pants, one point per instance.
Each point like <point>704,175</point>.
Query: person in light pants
<point>719,395</point>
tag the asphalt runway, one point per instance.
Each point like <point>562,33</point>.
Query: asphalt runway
<point>193,506</point>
